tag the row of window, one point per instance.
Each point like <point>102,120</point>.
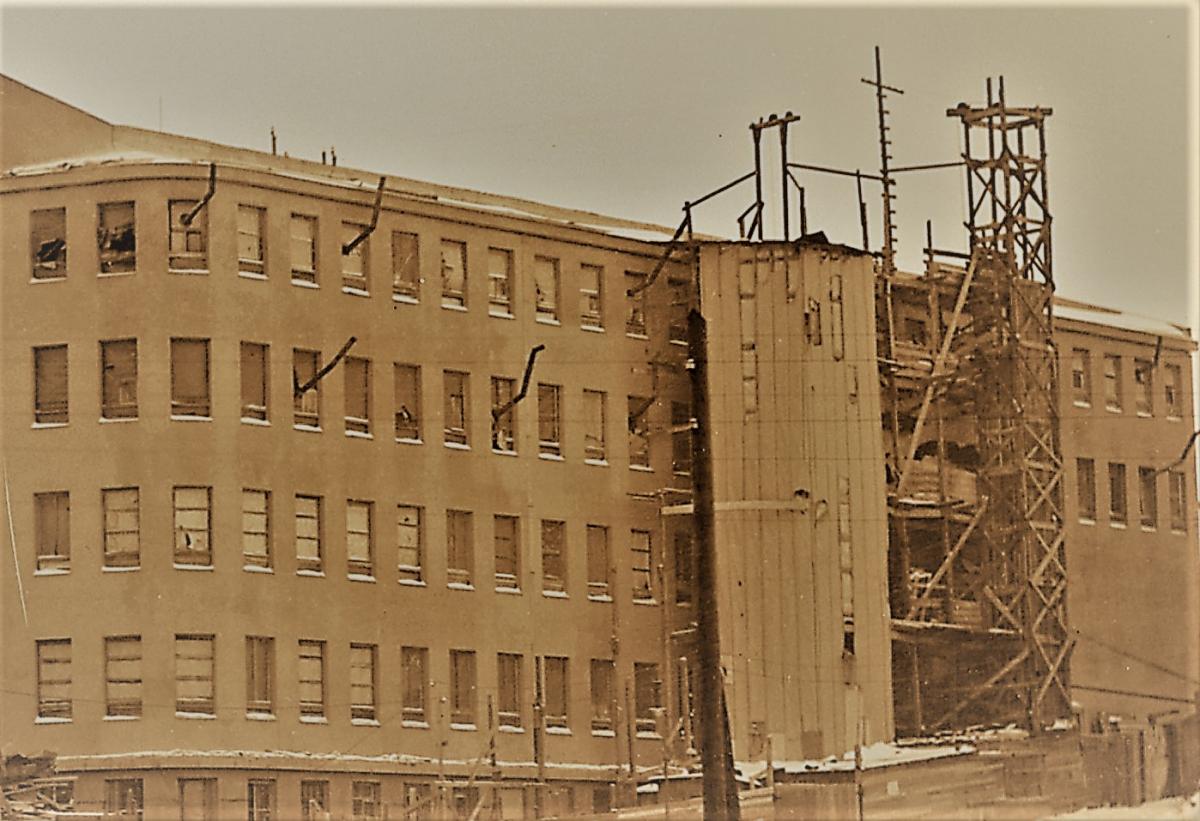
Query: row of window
<point>1114,384</point>
<point>1118,500</point>
<point>191,398</point>
<point>121,541</point>
<point>546,697</point>
<point>187,232</point>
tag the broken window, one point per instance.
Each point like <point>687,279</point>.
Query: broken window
<point>406,266</point>
<point>309,555</point>
<point>460,547</point>
<point>639,549</point>
<point>187,247</point>
<point>48,243</point>
<point>1112,382</point>
<point>508,553</point>
<point>357,379</point>
<point>1177,485</point>
<point>256,528</point>
<point>311,679</point>
<point>462,688</point>
<point>595,446</point>
<point>307,405</point>
<point>314,800</point>
<point>122,531</point>
<point>639,438</point>
<point>647,696</point>
<point>684,567</point>
<point>363,704</point>
<point>1117,506</point>
<point>359,538</point>
<point>549,420</point>
<point>500,281</point>
<point>635,297</point>
<point>681,438</point>
<point>1085,483</point>
<point>255,381</point>
<point>194,691</point>
<point>558,692</point>
<point>1148,497</point>
<point>355,264</point>
<point>190,392</point>
<point>1174,392</point>
<point>303,243</point>
<point>413,682</point>
<point>1143,377</point>
<point>591,296</point>
<point>118,364</point>
<point>251,239</point>
<point>1081,376</point>
<point>455,408</point>
<point>554,559</point>
<point>123,676</point>
<point>508,702</point>
<point>409,542</point>
<point>54,679</point>
<point>52,530</point>
<point>408,402</point>
<point>603,691</point>
<point>193,526</point>
<point>598,562</point>
<point>260,675</point>
<point>50,406</point>
<point>260,800</point>
<point>454,274</point>
<point>545,281</point>
<point>365,800</point>
<point>123,798</point>
<point>504,426</point>
<point>116,238</point>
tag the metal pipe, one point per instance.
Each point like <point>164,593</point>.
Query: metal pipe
<point>838,171</point>
<point>507,406</point>
<point>723,189</point>
<point>927,166</point>
<point>784,174</point>
<point>862,212</point>
<point>187,218</point>
<point>758,200</point>
<point>300,390</point>
<point>349,247</point>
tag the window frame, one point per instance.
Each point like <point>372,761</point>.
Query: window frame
<point>48,244</point>
<point>364,807</point>
<point>550,432</point>
<point>50,405</point>
<point>114,559</point>
<point>404,288</point>
<point>197,406</point>
<point>464,689</point>
<point>1173,391</point>
<point>364,657</point>
<point>635,314</point>
<point>265,560</point>
<point>454,277</point>
<point>591,299</point>
<point>639,436</point>
<point>509,579</point>
<point>303,273</point>
<point>603,698</point>
<point>547,276</point>
<point>554,557</point>
<point>460,548</point>
<point>1143,380</point>
<point>509,690</point>
<point>306,408</point>
<point>643,592</point>
<point>504,426</point>
<point>1118,495</point>
<point>1177,494</point>
<point>358,565</point>
<point>456,386</point>
<point>1085,489</point>
<point>185,259</point>
<point>118,379</point>
<point>599,589</point>
<point>54,692</point>
<point>414,668</point>
<point>260,799</point>
<point>260,675</point>
<point>1148,498</point>
<point>500,282</point>
<point>186,555</point>
<point>309,565</point>
<point>357,414</point>
<point>647,687</point>
<point>255,266</point>
<point>260,388</point>
<point>313,652</point>
<point>1114,394</point>
<point>556,675</point>
<point>116,237</point>
<point>410,573</point>
<point>595,435</point>
<point>356,265</point>
<point>53,549</point>
<point>204,647</point>
<point>405,419</point>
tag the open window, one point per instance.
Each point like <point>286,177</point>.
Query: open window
<point>406,266</point>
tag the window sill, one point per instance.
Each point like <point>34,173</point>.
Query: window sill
<point>1080,403</point>
<point>1117,525</point>
<point>600,463</point>
<point>183,417</point>
<point>681,343</point>
<point>110,420</point>
<point>459,308</point>
<point>1178,531</point>
<point>358,434</point>
<point>120,569</point>
<point>252,275</point>
<point>260,717</point>
<point>250,420</point>
<point>115,274</point>
<point>501,314</point>
<point>552,457</point>
<point>642,468</point>
<point>506,728</point>
<point>600,598</point>
<point>595,329</point>
<point>313,720</point>
<point>558,731</point>
<point>647,602</point>
<point>365,722</point>
<point>121,718</point>
<point>51,720</point>
<point>1145,415</point>
<point>193,272</point>
<point>412,582</point>
<point>406,299</point>
<point>352,291</point>
<point>196,716</point>
<point>254,568</point>
<point>631,335</point>
<point>464,727</point>
<point>48,425</point>
<point>308,428</point>
<point>406,441</point>
<point>555,594</point>
<point>1174,418</point>
<point>545,320</point>
<point>1148,529</point>
<point>303,283</point>
<point>207,568</point>
<point>40,280</point>
<point>504,452</point>
<point>1111,409</point>
<point>649,734</point>
<point>459,586</point>
<point>360,577</point>
<point>456,446</point>
<point>509,591</point>
<point>53,571</point>
<point>604,733</point>
<point>412,724</point>
<point>1085,521</point>
<point>316,574</point>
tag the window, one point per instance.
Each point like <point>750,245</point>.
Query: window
<point>1117,505</point>
<point>684,567</point>
<point>462,688</point>
<point>1174,391</point>
<point>408,402</point>
<point>681,438</point>
<point>1143,377</point>
<point>635,295</point>
<point>357,374</point>
<point>314,800</point>
<point>639,548</point>
<point>647,699</point>
<point>455,408</point>
<point>198,798</point>
<point>122,539</point>
<point>260,675</point>
<point>123,798</point>
<point>504,425</point>
<point>1177,483</point>
<point>603,695</point>
<point>1112,382</point>
<point>1148,497</point>
<point>413,682</point>
<point>363,705</point>
<point>193,526</point>
<point>409,542</point>
<point>598,562</point>
<point>454,274</point>
<point>677,324</point>
<point>508,555</point>
<point>116,238</point>
<point>188,244</point>
<point>255,382</point>
<point>554,560</point>
<point>194,658</point>
<point>354,264</point>
<point>591,296</point>
<point>54,679</point>
<point>558,695</point>
<point>311,670</point>
<point>460,548</point>
<point>190,395</point>
<point>500,269</point>
<point>48,243</point>
<point>52,530</point>
<point>306,405</point>
<point>549,420</point>
<point>406,266</point>
<point>595,446</point>
<point>508,672</point>
<point>256,528</point>
<point>304,249</point>
<point>251,239</point>
<point>365,800</point>
<point>639,437</point>
<point>260,800</point>
<point>118,390</point>
<point>1085,483</point>
<point>123,675</point>
<point>309,556</point>
<point>50,385</point>
<point>360,543</point>
<point>545,282</point>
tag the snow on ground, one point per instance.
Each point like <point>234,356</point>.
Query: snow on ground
<point>1167,809</point>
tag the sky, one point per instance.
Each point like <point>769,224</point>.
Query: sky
<point>630,111</point>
